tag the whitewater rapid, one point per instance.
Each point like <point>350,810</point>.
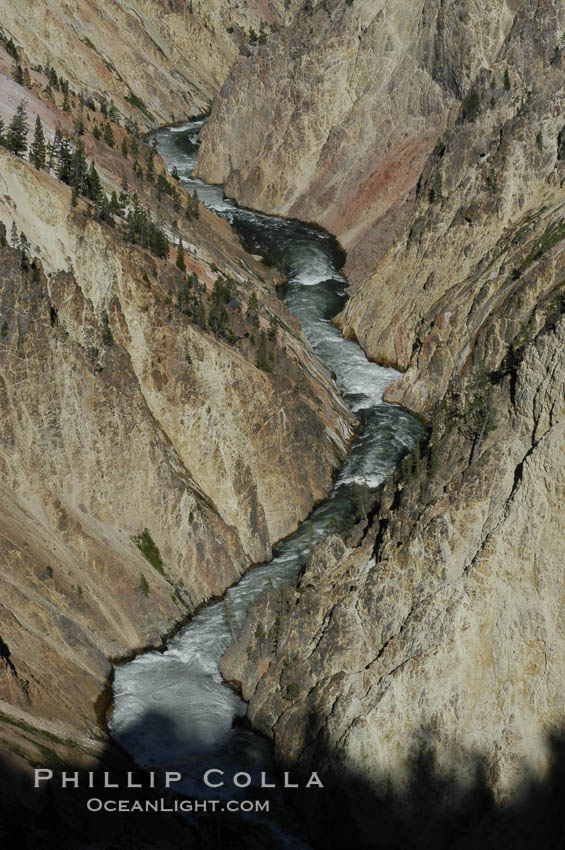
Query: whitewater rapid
<point>172,711</point>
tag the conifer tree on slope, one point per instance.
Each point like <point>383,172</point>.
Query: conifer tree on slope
<point>37,151</point>
<point>17,132</point>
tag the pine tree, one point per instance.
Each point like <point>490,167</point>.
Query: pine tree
<point>115,208</point>
<point>37,152</point>
<point>17,74</point>
<point>2,134</point>
<point>134,147</point>
<point>94,187</point>
<point>14,236</point>
<point>24,251</point>
<point>53,149</point>
<point>180,257</point>
<point>17,132</point>
<point>150,166</point>
<point>124,194</point>
<point>113,114</point>
<point>64,162</point>
<point>109,135</point>
<point>105,213</point>
<point>66,103</point>
<point>96,132</point>
<point>124,147</point>
<point>27,78</point>
<point>79,169</point>
<point>79,122</point>
<point>53,79</point>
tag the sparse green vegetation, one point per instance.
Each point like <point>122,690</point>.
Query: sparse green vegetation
<point>141,229</point>
<point>108,135</point>
<point>553,234</point>
<point>262,360</point>
<point>16,139</point>
<point>218,315</point>
<point>149,550</point>
<point>470,106</point>
<point>555,308</point>
<point>180,257</point>
<point>292,690</point>
<point>143,585</point>
<point>192,208</point>
<point>479,415</point>
<point>37,152</point>
<point>139,104</point>
<point>107,337</point>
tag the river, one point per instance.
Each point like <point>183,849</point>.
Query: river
<point>172,709</point>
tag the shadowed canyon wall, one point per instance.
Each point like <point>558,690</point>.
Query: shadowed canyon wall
<point>440,636</point>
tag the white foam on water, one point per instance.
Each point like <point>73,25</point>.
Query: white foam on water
<point>182,128</point>
<point>171,708</point>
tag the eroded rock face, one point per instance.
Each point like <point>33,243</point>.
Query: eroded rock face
<point>119,415</point>
<point>173,56</point>
<point>425,664</point>
<point>436,642</point>
<point>334,120</point>
<point>488,212</point>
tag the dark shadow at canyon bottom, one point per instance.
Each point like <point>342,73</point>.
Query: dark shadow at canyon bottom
<point>432,813</point>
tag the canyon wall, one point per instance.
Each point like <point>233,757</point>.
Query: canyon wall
<point>146,460</point>
<point>333,120</point>
<point>488,206</point>
<point>420,670</point>
<point>171,55</point>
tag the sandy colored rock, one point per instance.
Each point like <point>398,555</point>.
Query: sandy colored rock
<point>335,121</point>
<point>120,414</point>
<point>171,58</point>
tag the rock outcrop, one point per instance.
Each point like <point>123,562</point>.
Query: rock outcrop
<point>489,208</point>
<point>158,60</point>
<point>425,663</point>
<point>334,119</point>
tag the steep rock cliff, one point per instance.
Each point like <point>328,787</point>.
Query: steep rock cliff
<point>332,121</point>
<point>172,55</point>
<point>421,673</point>
<point>421,670</point>
<point>489,209</point>
<point>120,414</point>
